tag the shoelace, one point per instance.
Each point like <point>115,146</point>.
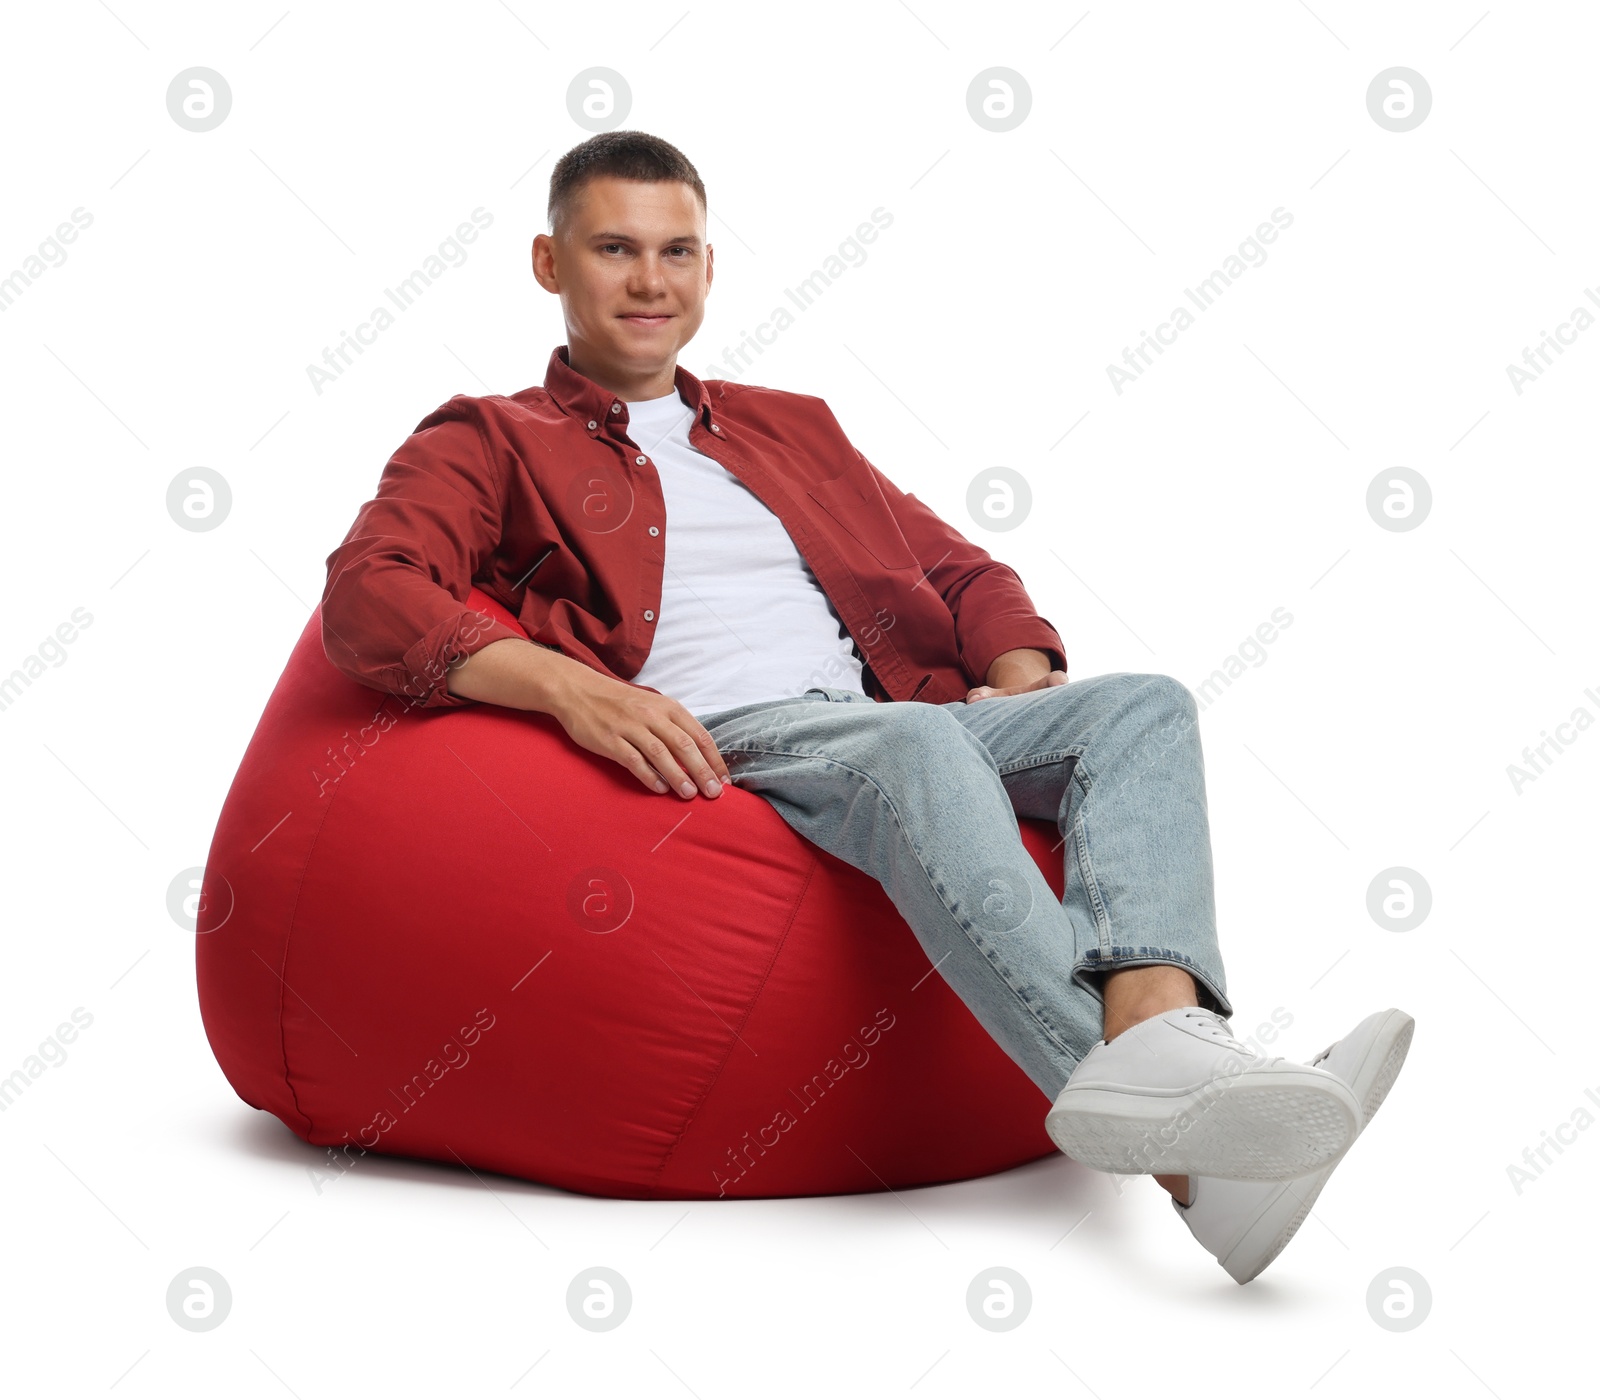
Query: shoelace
<point>1218,1028</point>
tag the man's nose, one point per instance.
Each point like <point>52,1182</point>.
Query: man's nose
<point>648,275</point>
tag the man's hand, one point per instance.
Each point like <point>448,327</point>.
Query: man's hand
<point>1016,672</point>
<point>650,735</point>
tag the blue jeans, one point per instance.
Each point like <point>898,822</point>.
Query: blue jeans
<point>925,798</point>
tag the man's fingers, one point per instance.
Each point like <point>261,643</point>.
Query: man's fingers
<point>659,755</point>
<point>704,750</point>
<point>636,763</point>
<point>708,747</point>
<point>986,692</point>
<point>691,762</point>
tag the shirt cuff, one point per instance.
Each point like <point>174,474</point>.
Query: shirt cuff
<point>979,649</point>
<point>449,641</point>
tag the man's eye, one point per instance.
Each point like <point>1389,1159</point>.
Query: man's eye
<point>687,252</point>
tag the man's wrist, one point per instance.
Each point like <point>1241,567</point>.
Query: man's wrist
<point>520,674</point>
<point>1021,666</point>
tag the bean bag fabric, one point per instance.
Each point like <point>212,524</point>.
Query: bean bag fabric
<point>454,934</point>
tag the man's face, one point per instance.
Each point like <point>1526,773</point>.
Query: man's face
<point>632,268</point>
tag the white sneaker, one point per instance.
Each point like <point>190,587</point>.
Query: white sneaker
<point>1245,1225</point>
<point>1178,1094</point>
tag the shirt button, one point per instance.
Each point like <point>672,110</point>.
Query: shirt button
<point>639,460</point>
<point>716,427</point>
<point>654,531</point>
<point>616,408</point>
<point>649,616</point>
<point>593,424</point>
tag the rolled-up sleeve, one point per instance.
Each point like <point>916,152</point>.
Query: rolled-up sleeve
<point>992,610</point>
<point>394,609</point>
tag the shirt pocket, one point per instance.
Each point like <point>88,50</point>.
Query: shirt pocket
<point>866,517</point>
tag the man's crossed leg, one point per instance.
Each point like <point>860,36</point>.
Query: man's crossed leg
<point>1113,999</point>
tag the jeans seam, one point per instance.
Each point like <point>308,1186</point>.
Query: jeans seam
<point>1035,760</point>
<point>1080,841</point>
<point>966,928</point>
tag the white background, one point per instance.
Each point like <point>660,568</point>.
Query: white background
<point>1167,523</point>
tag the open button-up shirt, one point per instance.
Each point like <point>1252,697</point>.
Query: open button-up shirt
<point>542,501</point>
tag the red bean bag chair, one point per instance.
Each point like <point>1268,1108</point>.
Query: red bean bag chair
<point>456,935</point>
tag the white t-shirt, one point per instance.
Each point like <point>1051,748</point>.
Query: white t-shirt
<point>742,617</point>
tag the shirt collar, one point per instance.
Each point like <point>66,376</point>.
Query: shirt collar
<point>578,395</point>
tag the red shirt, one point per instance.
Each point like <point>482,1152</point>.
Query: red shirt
<point>540,500</point>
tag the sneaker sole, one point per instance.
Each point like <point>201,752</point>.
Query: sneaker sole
<point>1264,1238</point>
<point>1264,1127</point>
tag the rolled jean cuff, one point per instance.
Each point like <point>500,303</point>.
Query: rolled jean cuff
<point>1099,960</point>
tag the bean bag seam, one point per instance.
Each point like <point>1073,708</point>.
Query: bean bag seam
<point>694,1113</point>
<point>283,981</point>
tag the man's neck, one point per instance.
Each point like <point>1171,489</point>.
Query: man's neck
<point>653,384</point>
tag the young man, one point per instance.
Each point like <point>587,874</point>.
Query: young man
<point>711,575</point>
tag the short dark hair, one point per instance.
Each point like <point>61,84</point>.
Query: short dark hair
<point>626,155</point>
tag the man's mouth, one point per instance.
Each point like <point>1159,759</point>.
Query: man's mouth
<point>640,319</point>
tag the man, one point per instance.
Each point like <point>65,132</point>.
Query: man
<point>711,574</point>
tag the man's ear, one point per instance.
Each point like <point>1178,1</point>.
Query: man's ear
<point>533,259</point>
